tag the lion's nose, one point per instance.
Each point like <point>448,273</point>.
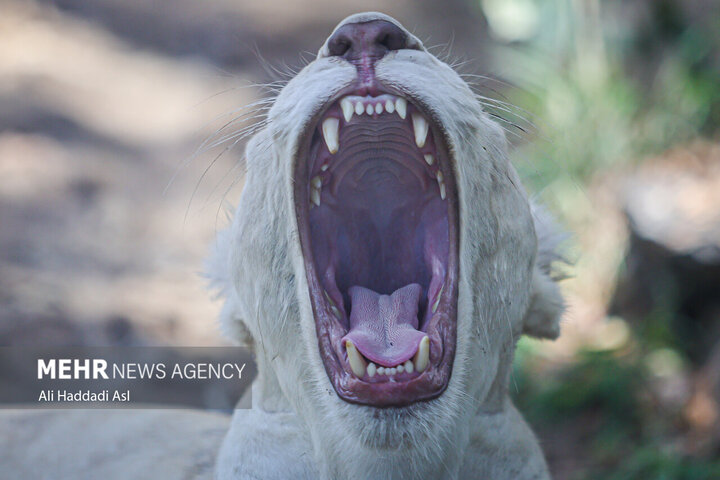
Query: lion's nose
<point>357,42</point>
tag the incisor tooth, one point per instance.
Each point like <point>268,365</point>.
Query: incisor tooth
<point>429,159</point>
<point>420,126</point>
<point>400,368</point>
<point>330,133</point>
<point>369,109</point>
<point>378,108</point>
<point>371,369</point>
<point>359,108</point>
<point>392,371</point>
<point>347,108</point>
<point>422,357</point>
<point>315,196</point>
<point>389,106</point>
<point>401,107</point>
<point>409,366</point>
<point>357,363</point>
<point>381,371</point>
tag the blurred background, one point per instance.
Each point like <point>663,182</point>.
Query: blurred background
<point>120,151</point>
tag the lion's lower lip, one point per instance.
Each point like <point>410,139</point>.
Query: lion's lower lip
<point>377,237</point>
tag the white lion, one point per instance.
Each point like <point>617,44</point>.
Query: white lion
<point>382,264</point>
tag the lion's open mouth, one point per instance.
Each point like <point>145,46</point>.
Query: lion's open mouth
<point>377,212</point>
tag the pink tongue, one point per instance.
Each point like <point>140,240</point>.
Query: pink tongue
<point>384,327</point>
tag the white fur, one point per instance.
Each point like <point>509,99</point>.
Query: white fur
<point>298,427</point>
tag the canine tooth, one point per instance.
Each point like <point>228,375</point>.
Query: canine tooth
<point>357,363</point>
<point>401,107</point>
<point>422,357</point>
<point>420,126</point>
<point>409,367</point>
<point>400,368</point>
<point>316,182</point>
<point>315,196</point>
<point>381,371</point>
<point>359,108</point>
<point>369,109</point>
<point>330,133</point>
<point>437,300</point>
<point>371,369</point>
<point>389,106</point>
<point>378,108</point>
<point>347,108</point>
<point>429,159</point>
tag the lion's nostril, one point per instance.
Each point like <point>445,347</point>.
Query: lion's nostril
<point>372,40</point>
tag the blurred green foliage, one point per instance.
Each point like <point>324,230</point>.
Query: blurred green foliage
<point>603,84</point>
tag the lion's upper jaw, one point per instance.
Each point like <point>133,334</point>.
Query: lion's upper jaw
<point>269,302</point>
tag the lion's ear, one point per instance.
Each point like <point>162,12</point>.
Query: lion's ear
<point>217,271</point>
<point>542,319</point>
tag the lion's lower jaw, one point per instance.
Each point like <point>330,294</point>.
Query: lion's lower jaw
<point>280,445</point>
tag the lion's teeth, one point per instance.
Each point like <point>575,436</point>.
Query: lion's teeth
<point>422,357</point>
<point>429,159</point>
<point>315,196</point>
<point>381,371</point>
<point>400,368</point>
<point>316,182</point>
<point>389,106</point>
<point>392,371</point>
<point>441,184</point>
<point>359,108</point>
<point>401,107</point>
<point>409,367</point>
<point>437,300</point>
<point>330,133</point>
<point>336,312</point>
<point>371,369</point>
<point>420,126</point>
<point>347,108</point>
<point>357,363</point>
<point>378,108</point>
<point>369,109</point>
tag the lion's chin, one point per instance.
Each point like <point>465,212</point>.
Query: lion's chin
<point>376,202</point>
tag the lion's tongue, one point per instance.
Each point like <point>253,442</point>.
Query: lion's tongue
<point>384,327</point>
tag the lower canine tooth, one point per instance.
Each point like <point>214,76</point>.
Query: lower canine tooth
<point>347,109</point>
<point>330,132</point>
<point>401,107</point>
<point>357,364</point>
<point>422,357</point>
<point>420,126</point>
